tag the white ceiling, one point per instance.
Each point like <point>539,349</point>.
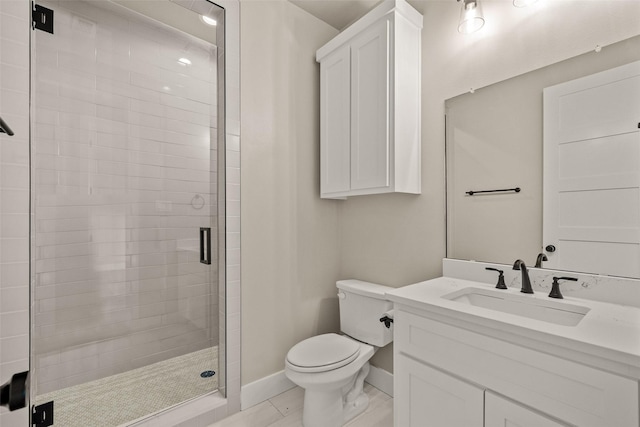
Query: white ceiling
<point>337,13</point>
<point>340,13</point>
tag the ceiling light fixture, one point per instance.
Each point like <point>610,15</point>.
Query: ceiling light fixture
<point>211,21</point>
<point>184,61</point>
<point>523,3</point>
<point>471,18</point>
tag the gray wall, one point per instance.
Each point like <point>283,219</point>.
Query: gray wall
<point>294,245</point>
<point>290,237</point>
<point>395,239</point>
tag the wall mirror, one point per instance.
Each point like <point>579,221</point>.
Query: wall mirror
<point>494,140</point>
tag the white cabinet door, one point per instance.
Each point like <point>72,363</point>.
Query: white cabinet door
<point>335,124</point>
<point>370,107</point>
<point>425,396</point>
<point>500,412</point>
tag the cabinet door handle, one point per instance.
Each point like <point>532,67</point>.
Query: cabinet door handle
<point>205,245</point>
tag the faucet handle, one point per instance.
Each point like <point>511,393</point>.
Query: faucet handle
<point>555,287</point>
<point>500,284</point>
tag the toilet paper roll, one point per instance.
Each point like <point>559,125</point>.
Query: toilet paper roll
<point>389,314</point>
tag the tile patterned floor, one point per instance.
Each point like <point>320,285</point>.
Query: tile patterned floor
<point>124,397</point>
<point>285,410</point>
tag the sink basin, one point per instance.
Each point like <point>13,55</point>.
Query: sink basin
<point>551,311</point>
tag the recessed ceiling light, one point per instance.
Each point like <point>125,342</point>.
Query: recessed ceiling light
<point>208,21</point>
<point>184,61</point>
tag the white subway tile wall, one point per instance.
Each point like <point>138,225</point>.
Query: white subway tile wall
<point>123,171</point>
<point>14,197</point>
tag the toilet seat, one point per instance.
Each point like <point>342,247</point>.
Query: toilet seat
<point>323,353</point>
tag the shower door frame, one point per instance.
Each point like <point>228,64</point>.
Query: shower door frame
<point>219,404</point>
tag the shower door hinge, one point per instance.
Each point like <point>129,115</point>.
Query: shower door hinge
<point>41,18</point>
<point>42,415</point>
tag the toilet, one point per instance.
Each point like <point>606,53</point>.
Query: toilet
<point>331,368</point>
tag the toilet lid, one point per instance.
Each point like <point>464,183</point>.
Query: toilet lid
<point>323,353</point>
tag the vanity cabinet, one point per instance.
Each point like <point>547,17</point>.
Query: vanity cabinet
<point>370,105</point>
<point>448,375</point>
<point>499,411</point>
<point>427,394</point>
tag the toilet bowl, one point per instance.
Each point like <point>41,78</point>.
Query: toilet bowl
<point>328,379</point>
<point>331,368</point>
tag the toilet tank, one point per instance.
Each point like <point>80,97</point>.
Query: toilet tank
<point>362,304</point>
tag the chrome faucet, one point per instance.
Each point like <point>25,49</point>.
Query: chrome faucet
<point>526,283</point>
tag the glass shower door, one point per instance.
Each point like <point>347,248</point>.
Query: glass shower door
<point>124,208</point>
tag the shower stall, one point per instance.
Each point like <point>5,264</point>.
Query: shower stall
<point>127,207</point>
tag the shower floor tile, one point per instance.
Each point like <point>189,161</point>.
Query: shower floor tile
<point>121,398</point>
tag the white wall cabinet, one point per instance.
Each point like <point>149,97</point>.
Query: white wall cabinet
<point>370,105</point>
<point>447,375</point>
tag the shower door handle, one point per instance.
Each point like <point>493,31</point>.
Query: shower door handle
<point>13,393</point>
<point>205,245</point>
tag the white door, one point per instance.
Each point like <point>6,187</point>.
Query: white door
<point>425,396</point>
<point>500,412</point>
<point>369,108</point>
<point>591,210</point>
<point>335,124</point>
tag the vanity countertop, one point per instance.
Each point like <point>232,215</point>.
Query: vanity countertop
<point>608,337</point>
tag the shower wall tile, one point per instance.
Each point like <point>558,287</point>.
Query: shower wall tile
<point>12,28</point>
<point>13,8</point>
<point>123,183</point>
<point>14,197</point>
<point>12,301</point>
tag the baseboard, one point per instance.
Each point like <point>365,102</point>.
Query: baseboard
<point>272,385</point>
<point>381,379</point>
<point>264,389</point>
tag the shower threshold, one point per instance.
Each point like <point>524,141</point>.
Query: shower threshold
<point>123,398</point>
